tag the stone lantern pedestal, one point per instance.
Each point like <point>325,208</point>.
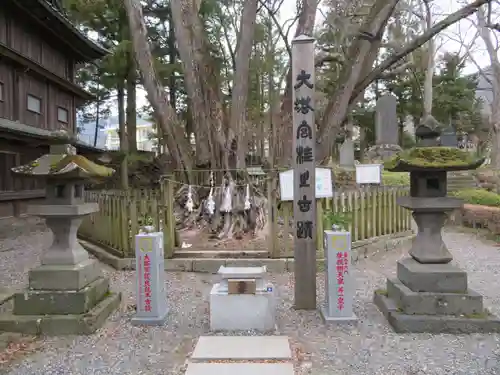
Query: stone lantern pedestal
<point>431,293</point>
<point>67,293</point>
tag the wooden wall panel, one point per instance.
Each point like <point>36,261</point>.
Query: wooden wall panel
<point>65,101</point>
<point>36,45</point>
<point>7,87</point>
<point>37,88</point>
<point>54,61</point>
<point>3,27</point>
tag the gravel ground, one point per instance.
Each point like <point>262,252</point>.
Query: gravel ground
<point>369,348</point>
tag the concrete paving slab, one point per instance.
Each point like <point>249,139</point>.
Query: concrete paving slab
<point>240,369</point>
<point>242,348</point>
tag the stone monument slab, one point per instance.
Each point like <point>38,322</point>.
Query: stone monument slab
<point>151,295</point>
<point>386,120</point>
<point>339,283</point>
<point>346,154</point>
<point>242,348</point>
<point>243,306</point>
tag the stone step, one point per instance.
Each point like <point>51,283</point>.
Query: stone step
<point>240,369</point>
<point>249,348</point>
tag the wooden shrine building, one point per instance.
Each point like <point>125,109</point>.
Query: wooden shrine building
<point>39,49</point>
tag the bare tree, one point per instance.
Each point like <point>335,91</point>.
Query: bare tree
<point>486,35</point>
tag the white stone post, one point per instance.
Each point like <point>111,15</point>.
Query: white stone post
<point>339,283</point>
<point>151,294</point>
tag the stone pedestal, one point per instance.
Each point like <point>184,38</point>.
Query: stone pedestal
<point>433,298</point>
<point>67,293</point>
<point>243,300</point>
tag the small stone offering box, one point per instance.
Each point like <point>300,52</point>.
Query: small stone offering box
<point>243,300</point>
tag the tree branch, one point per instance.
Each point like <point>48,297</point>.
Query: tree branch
<point>272,14</point>
<point>417,42</point>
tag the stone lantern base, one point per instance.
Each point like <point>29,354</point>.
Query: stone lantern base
<point>433,298</point>
<point>67,293</point>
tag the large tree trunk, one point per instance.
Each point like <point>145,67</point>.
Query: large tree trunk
<point>485,34</point>
<point>172,128</point>
<point>132,104</point>
<point>214,140</point>
<point>429,72</point>
<point>191,50</point>
<point>360,59</point>
<point>239,100</point>
<point>122,133</point>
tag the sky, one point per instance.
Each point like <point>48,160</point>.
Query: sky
<point>448,41</point>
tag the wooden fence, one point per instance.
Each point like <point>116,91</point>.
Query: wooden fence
<point>372,212</point>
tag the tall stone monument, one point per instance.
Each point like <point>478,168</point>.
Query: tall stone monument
<point>430,293</point>
<point>304,172</point>
<point>386,129</point>
<point>346,150</point>
<point>67,293</point>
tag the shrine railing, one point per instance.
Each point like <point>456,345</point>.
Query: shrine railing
<point>371,212</point>
<point>368,213</point>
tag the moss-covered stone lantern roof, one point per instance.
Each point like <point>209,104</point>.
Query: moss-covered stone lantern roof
<point>436,158</point>
<point>63,162</point>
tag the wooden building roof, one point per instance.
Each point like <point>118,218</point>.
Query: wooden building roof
<point>50,15</point>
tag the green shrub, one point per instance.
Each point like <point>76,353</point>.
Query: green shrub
<point>395,178</point>
<point>478,196</point>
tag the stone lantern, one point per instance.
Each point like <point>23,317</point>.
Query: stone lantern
<point>430,293</point>
<point>67,293</point>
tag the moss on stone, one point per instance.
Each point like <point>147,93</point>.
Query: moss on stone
<point>481,315</point>
<point>381,292</point>
<point>87,166</point>
<point>432,157</point>
<point>59,164</point>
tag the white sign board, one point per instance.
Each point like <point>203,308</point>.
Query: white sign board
<point>150,269</point>
<point>368,173</point>
<point>324,185</point>
<point>339,283</point>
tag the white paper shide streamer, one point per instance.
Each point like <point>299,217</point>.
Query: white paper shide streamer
<point>247,199</point>
<point>226,205</point>
<point>189,202</point>
<point>210,203</point>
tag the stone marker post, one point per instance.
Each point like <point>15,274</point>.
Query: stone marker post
<point>151,293</point>
<point>304,172</point>
<point>339,283</point>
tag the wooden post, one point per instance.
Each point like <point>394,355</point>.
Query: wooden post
<point>304,176</point>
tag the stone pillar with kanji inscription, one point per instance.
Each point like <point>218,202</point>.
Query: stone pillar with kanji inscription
<point>304,194</point>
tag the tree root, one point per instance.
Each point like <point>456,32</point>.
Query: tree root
<point>237,223</point>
